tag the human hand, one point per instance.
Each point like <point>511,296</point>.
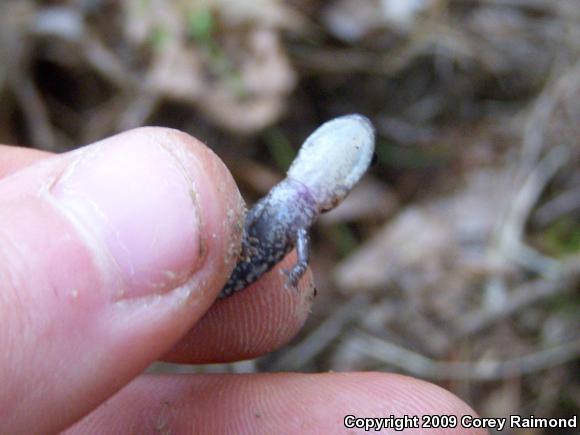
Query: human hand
<point>109,255</point>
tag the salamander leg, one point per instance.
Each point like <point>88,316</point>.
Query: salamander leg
<point>303,251</point>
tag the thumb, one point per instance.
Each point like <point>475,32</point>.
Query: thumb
<point>108,255</point>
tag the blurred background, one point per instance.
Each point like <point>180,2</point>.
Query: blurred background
<point>457,259</point>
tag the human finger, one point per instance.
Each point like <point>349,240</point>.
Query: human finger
<point>108,255</point>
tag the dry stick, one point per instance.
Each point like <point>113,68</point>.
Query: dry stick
<point>533,141</point>
<point>563,204</point>
<point>511,233</point>
<point>23,87</point>
<point>521,297</point>
<point>548,6</point>
<point>71,29</point>
<point>34,110</point>
<point>508,243</point>
<point>107,63</point>
<point>420,365</point>
<point>533,177</point>
<point>322,336</point>
<point>341,61</point>
<point>138,109</point>
<point>138,102</point>
<point>530,192</point>
<point>103,60</point>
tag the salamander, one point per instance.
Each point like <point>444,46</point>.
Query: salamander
<point>329,163</point>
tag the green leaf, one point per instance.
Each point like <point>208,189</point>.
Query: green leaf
<point>201,24</point>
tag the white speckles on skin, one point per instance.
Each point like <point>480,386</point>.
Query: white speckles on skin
<point>334,158</point>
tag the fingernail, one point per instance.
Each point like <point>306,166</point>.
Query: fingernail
<point>136,204</point>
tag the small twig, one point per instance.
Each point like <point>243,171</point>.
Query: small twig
<point>138,110</point>
<point>508,243</point>
<point>67,24</point>
<point>305,351</point>
<point>547,6</point>
<point>106,62</point>
<point>341,61</point>
<point>546,103</point>
<point>530,192</point>
<point>420,365</point>
<point>563,204</point>
<point>511,233</point>
<point>523,296</point>
<point>34,110</point>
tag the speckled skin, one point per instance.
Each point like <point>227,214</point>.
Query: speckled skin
<point>329,163</point>
<point>271,231</point>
